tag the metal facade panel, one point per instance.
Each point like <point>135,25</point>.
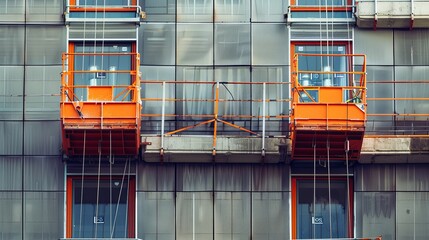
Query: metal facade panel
<point>232,11</point>
<point>270,216</point>
<point>45,44</point>
<point>43,173</point>
<point>11,45</point>
<point>12,11</point>
<point>194,11</point>
<point>44,215</point>
<point>159,10</point>
<point>377,45</point>
<point>194,44</point>
<point>45,11</point>
<point>409,88</point>
<point>412,209</point>
<point>376,214</point>
<point>41,89</point>
<point>270,44</point>
<point>12,215</point>
<point>411,46</point>
<point>10,173</point>
<point>11,134</point>
<point>412,177</point>
<point>157,44</point>
<point>232,44</point>
<point>269,11</point>
<point>42,138</point>
<point>375,177</point>
<point>11,92</point>
<point>156,215</point>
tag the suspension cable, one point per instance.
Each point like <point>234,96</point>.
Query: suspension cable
<point>119,198</point>
<point>329,188</point>
<point>314,184</point>
<point>81,186</point>
<point>110,178</point>
<point>98,185</point>
<point>347,149</point>
<point>127,199</point>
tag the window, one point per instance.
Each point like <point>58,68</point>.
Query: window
<point>334,66</point>
<point>100,208</point>
<point>322,208</point>
<point>117,59</point>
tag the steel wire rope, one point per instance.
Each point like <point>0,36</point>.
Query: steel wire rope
<point>81,186</point>
<point>349,50</point>
<point>119,198</point>
<point>348,222</point>
<point>329,187</point>
<point>314,184</point>
<point>98,186</point>
<point>110,181</point>
<point>127,199</point>
<point>84,140</point>
<point>100,141</point>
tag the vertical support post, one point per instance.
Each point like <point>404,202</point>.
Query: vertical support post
<point>216,110</point>
<point>162,119</point>
<point>264,102</point>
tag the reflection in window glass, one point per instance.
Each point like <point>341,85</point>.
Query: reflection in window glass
<point>120,62</point>
<point>100,208</point>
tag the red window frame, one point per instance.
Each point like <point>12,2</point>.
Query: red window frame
<point>294,202</point>
<point>297,8</point>
<point>76,8</point>
<point>131,203</point>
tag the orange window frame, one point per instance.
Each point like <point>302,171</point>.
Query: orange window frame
<point>297,8</point>
<point>131,203</point>
<point>294,202</point>
<point>70,62</point>
<point>76,8</point>
<point>347,44</point>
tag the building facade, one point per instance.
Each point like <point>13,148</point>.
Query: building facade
<point>182,186</point>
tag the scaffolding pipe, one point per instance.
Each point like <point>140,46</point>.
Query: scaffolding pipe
<point>263,118</point>
<point>162,118</point>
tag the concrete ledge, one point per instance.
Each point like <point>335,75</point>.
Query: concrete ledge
<point>186,148</point>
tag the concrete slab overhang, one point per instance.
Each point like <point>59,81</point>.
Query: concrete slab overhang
<point>239,149</point>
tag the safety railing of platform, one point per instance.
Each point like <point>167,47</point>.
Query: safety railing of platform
<point>108,84</point>
<point>313,73</point>
<point>218,102</point>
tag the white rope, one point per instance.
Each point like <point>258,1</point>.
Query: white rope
<point>347,148</point>
<point>329,188</point>
<point>110,177</point>
<point>314,184</point>
<point>81,186</point>
<point>98,186</point>
<point>119,198</point>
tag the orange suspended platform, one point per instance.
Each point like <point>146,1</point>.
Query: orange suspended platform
<point>100,119</point>
<point>328,120</point>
